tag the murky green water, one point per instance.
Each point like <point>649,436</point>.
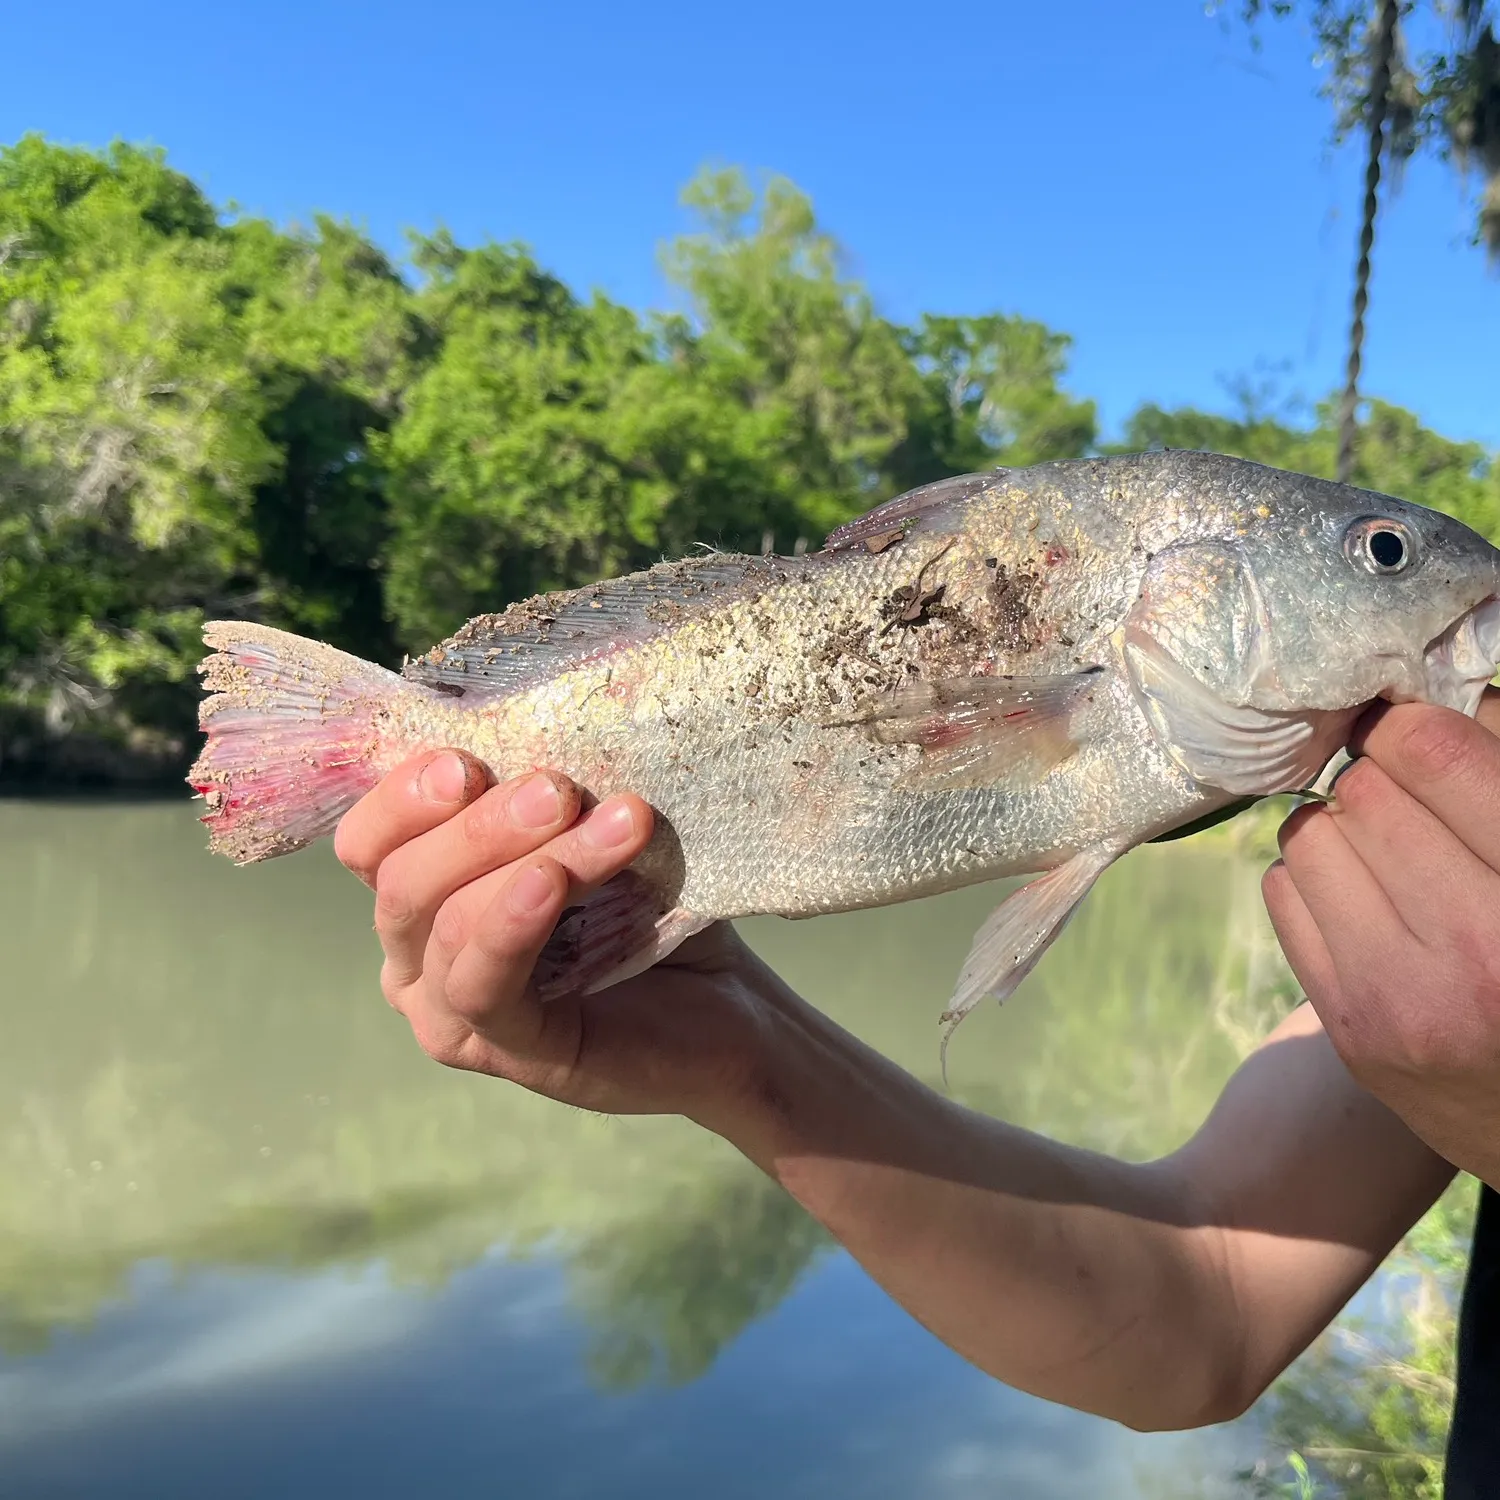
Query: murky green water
<point>254,1243</point>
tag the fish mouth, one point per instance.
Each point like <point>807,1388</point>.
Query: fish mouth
<point>1461,662</point>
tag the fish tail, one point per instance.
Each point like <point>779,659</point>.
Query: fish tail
<point>292,738</point>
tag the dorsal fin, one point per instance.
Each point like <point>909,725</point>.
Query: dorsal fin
<point>536,639</point>
<point>916,510</point>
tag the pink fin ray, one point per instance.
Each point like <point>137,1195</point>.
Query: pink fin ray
<point>619,932</point>
<point>291,738</point>
<point>1019,931</point>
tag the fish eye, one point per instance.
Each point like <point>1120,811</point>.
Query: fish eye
<point>1380,545</point>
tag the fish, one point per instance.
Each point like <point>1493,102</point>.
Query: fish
<point>1022,672</point>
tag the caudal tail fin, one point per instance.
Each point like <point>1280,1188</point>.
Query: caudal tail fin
<point>292,738</point>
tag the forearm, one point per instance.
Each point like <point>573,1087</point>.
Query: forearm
<point>1077,1278</point>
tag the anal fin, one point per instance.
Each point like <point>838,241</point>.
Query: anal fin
<point>617,933</point>
<point>1020,930</point>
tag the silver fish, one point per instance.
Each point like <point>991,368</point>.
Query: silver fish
<point>1018,672</point>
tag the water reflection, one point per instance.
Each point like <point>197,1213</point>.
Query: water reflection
<point>225,1168</point>
<point>253,1386</point>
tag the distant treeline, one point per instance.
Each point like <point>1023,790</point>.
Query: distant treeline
<point>203,414</point>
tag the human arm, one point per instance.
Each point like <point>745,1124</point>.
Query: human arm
<point>1168,1294</point>
<point>1162,1295</point>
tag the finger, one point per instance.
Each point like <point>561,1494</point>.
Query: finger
<point>487,937</point>
<point>1297,933</point>
<point>1429,874</point>
<point>604,841</point>
<point>418,795</point>
<point>601,844</point>
<point>450,1026</point>
<point>487,985</point>
<point>1449,763</point>
<point>413,882</point>
<point>1359,925</point>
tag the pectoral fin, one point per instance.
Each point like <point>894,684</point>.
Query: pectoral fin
<point>976,731</point>
<point>1006,949</point>
<point>1249,751</point>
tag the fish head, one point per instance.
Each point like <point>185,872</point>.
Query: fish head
<point>1255,641</point>
<point>1303,594</point>
<point>1363,596</point>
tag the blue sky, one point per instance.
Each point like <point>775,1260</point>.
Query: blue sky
<point>1133,175</point>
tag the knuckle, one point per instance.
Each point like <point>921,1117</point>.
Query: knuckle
<point>1296,826</point>
<point>1274,885</point>
<point>472,1005</point>
<point>394,908</point>
<point>438,1042</point>
<point>1435,745</point>
<point>1363,786</point>
<point>349,849</point>
<point>450,927</point>
<point>1423,1047</point>
<point>483,823</point>
<point>468,1006</point>
<point>1474,949</point>
<point>391,986</point>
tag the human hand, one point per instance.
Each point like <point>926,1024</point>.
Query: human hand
<point>470,880</point>
<point>1387,903</point>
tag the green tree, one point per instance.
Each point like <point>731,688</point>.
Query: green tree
<point>183,412</point>
<point>328,327</point>
<point>993,396</point>
<point>824,384</point>
<point>206,415</point>
<point>550,441</point>
<point>134,427</point>
<point>502,476</point>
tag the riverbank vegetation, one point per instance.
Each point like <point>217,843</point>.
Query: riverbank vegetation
<point>202,413</point>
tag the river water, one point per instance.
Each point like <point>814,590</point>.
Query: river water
<point>254,1243</point>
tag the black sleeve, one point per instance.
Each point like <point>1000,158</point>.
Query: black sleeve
<point>1474,1439</point>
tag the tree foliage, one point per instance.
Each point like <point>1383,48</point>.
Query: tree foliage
<point>1445,89</point>
<point>207,415</point>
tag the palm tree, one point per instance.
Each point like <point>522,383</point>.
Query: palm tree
<point>1383,53</point>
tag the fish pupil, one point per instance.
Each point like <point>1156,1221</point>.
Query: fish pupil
<point>1387,550</point>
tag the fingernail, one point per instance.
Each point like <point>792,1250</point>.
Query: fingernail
<point>536,803</point>
<point>444,779</point>
<point>609,825</point>
<point>531,891</point>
